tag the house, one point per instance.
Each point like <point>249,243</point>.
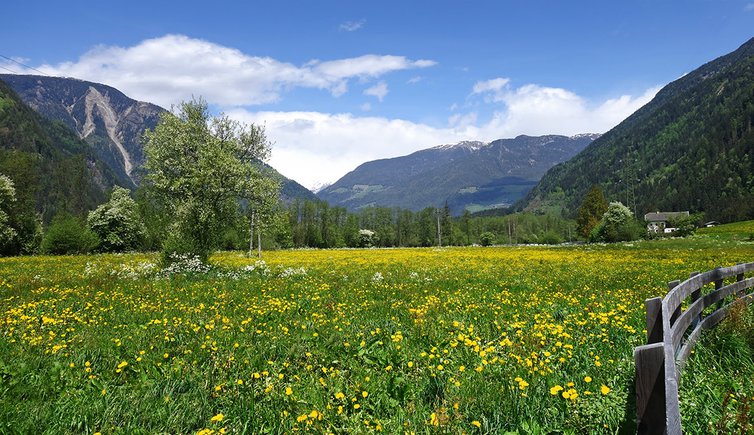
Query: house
<point>658,222</point>
<point>711,224</point>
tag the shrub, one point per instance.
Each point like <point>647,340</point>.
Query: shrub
<point>551,238</point>
<point>367,238</point>
<point>68,235</point>
<point>486,238</point>
<point>117,222</point>
<point>617,225</point>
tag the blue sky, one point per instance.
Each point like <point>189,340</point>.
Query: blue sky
<point>338,83</point>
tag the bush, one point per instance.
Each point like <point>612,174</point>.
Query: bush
<point>117,222</point>
<point>367,238</point>
<point>617,225</point>
<point>551,238</point>
<point>68,235</point>
<point>486,239</point>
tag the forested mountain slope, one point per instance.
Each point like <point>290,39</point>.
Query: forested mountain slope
<point>467,175</point>
<point>690,148</point>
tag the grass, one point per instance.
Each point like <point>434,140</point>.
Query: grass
<point>457,340</point>
<point>743,231</point>
<point>717,386</point>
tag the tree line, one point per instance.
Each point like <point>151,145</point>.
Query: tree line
<point>203,191</point>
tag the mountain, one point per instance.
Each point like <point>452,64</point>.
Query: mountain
<point>690,148</point>
<point>101,115</point>
<point>52,169</point>
<point>112,123</point>
<point>468,175</point>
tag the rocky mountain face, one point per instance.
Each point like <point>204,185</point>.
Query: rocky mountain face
<point>52,168</point>
<point>112,123</point>
<point>101,115</point>
<point>470,176</point>
<point>690,148</point>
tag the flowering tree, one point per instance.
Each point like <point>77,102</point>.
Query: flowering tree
<point>117,222</point>
<point>202,165</point>
<point>617,225</point>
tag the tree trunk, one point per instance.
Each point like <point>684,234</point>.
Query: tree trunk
<point>251,233</point>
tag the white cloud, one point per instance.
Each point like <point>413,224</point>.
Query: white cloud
<point>492,85</point>
<point>352,26</point>
<point>534,109</point>
<point>172,68</point>
<point>318,148</point>
<point>749,7</point>
<point>379,91</point>
<point>414,80</point>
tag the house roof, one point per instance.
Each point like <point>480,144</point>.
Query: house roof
<point>665,216</point>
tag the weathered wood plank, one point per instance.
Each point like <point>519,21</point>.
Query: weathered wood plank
<point>650,389</point>
<point>695,295</point>
<point>740,277</point>
<point>672,409</point>
<point>666,327</point>
<point>709,322</point>
<point>654,320</point>
<point>719,284</point>
<point>695,309</point>
<point>675,309</point>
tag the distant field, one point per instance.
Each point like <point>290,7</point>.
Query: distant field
<point>474,340</point>
<point>736,231</point>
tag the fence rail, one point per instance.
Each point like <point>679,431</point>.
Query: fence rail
<point>672,333</point>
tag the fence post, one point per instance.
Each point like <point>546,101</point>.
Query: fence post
<point>740,277</point>
<point>650,388</point>
<point>718,285</point>
<point>654,320</point>
<point>696,294</point>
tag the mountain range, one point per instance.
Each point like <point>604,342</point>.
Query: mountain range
<point>468,175</point>
<point>690,148</point>
<point>110,122</point>
<point>51,167</point>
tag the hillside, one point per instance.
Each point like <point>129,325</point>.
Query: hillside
<point>104,117</point>
<point>111,122</point>
<point>690,148</point>
<point>52,169</point>
<point>468,175</point>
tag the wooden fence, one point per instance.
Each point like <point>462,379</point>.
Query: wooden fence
<point>672,333</point>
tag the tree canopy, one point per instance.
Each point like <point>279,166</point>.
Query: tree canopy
<point>117,222</point>
<point>591,211</point>
<point>202,165</point>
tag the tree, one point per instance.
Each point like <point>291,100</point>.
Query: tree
<point>67,234</point>
<point>117,222</point>
<point>617,225</point>
<point>591,211</point>
<point>262,197</point>
<point>7,198</point>
<point>486,238</point>
<point>201,165</point>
